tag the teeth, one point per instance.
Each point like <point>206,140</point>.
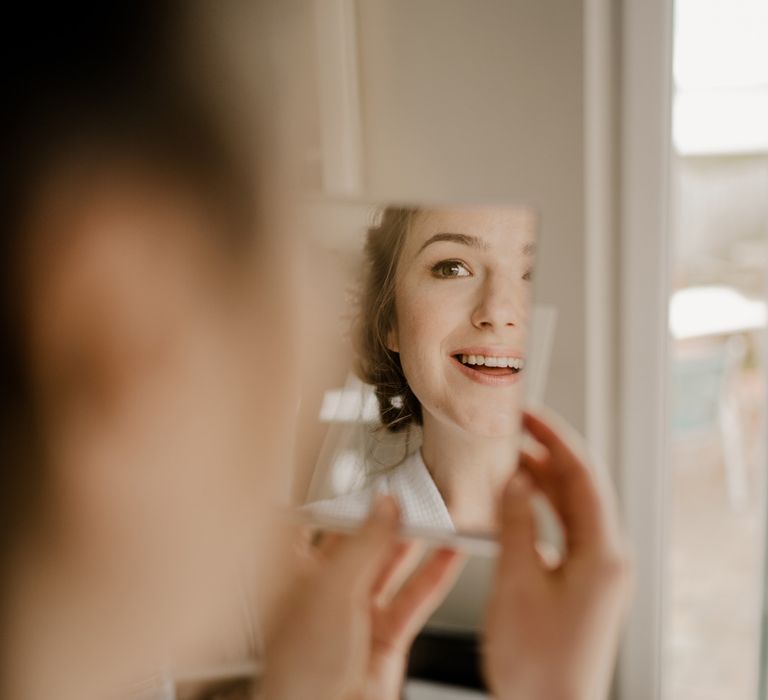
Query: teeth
<point>490,361</point>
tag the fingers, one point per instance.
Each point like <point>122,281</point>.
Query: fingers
<point>402,559</point>
<point>418,598</point>
<point>359,557</point>
<point>518,560</point>
<point>541,474</point>
<point>396,570</point>
<point>561,442</point>
<point>564,477</point>
<point>328,544</point>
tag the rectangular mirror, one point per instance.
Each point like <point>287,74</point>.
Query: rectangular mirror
<point>435,331</point>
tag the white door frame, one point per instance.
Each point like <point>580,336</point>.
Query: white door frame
<point>645,143</point>
<point>762,692</point>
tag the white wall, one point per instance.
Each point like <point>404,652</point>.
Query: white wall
<point>482,101</point>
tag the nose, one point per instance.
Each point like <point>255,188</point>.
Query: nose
<point>502,302</point>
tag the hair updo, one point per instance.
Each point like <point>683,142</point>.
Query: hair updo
<point>377,365</point>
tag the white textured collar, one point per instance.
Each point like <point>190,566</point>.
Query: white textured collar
<point>410,482</point>
<point>421,504</point>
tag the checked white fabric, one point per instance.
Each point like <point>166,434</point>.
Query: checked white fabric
<point>421,504</point>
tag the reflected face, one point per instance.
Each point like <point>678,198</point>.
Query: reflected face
<point>462,298</point>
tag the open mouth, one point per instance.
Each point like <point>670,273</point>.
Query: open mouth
<point>492,365</point>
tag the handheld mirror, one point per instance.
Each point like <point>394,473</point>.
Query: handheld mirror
<point>436,336</point>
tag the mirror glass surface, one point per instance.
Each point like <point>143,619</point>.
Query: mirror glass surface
<point>434,361</point>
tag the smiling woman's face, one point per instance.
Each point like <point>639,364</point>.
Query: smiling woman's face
<point>462,297</point>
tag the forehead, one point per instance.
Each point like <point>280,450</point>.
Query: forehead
<point>497,227</point>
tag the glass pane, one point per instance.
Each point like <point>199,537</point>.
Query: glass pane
<point>719,205</point>
<point>764,641</point>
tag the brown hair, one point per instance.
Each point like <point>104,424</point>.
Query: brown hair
<point>377,364</point>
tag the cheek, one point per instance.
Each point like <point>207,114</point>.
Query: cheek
<point>525,303</point>
<point>430,315</point>
<point>270,351</point>
<point>182,446</point>
<point>418,332</point>
<point>425,326</point>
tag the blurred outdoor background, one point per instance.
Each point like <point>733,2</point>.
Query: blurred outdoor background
<point>719,265</point>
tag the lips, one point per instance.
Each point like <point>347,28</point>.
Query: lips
<point>489,366</point>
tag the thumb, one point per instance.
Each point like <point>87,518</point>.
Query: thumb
<point>360,557</point>
<point>420,595</point>
<point>518,560</point>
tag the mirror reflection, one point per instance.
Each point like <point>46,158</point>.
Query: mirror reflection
<point>431,413</point>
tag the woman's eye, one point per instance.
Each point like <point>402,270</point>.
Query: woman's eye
<point>450,268</point>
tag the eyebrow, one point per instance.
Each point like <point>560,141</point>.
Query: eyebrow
<point>462,238</point>
<point>471,241</point>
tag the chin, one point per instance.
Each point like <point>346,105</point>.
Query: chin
<point>489,423</point>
